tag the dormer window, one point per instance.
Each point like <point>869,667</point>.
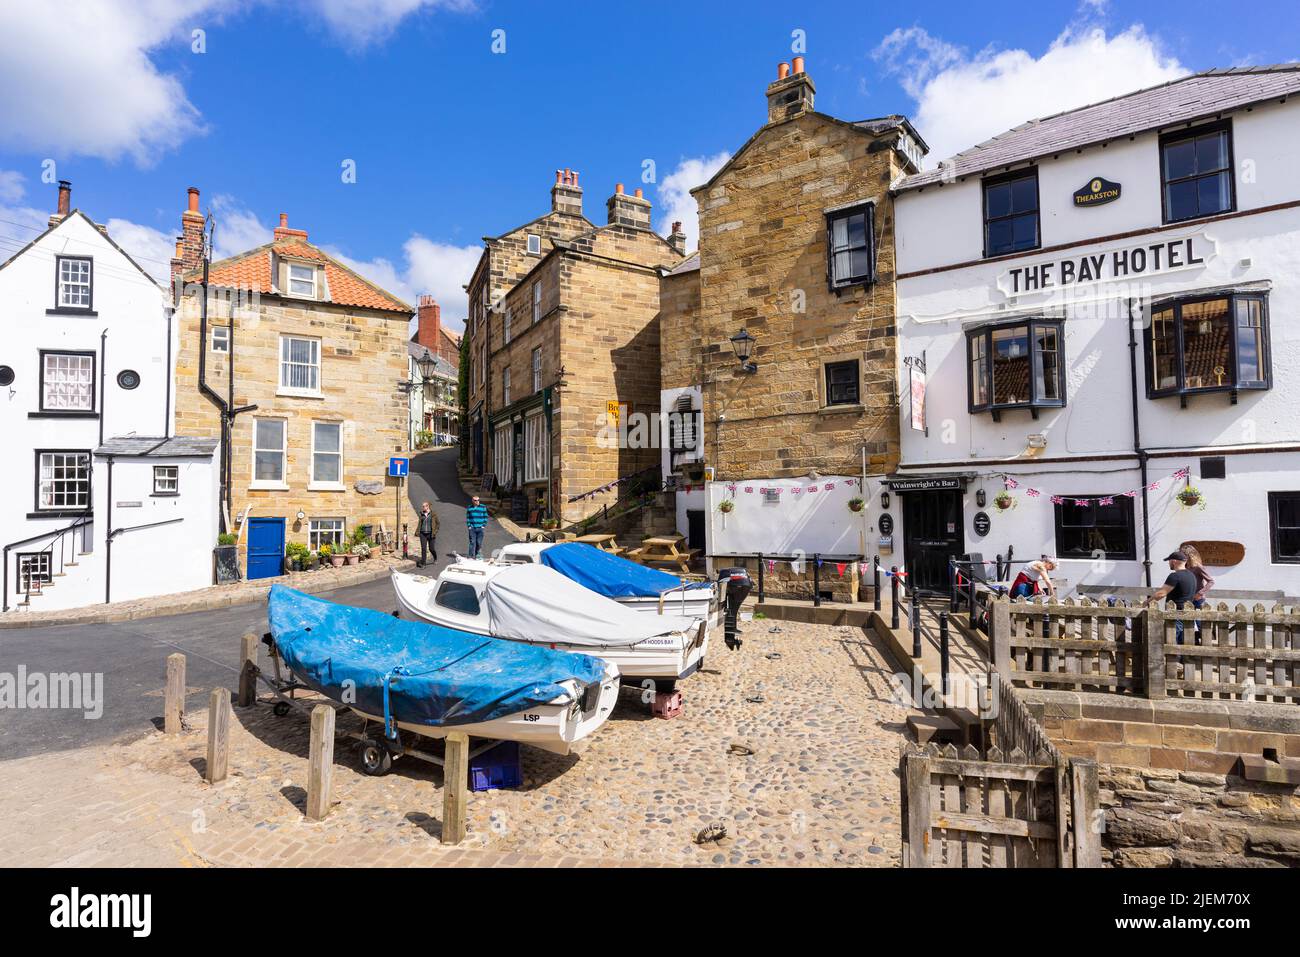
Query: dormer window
<point>302,280</point>
<point>1015,365</point>
<point>74,282</point>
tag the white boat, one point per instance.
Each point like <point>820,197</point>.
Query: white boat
<point>642,589</point>
<point>533,604</point>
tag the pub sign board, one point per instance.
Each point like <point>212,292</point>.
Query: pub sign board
<point>925,484</point>
<point>1098,192</point>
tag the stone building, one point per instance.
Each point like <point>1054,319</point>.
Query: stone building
<point>434,400</point>
<point>797,252</point>
<point>304,358</point>
<point>565,351</point>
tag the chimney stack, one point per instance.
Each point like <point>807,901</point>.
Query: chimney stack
<point>677,239</point>
<point>632,212</point>
<point>178,268</point>
<point>566,194</point>
<point>65,203</point>
<point>428,317</point>
<point>284,232</point>
<point>190,249</point>
<point>791,94</point>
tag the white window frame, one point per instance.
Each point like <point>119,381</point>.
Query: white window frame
<point>290,279</point>
<point>337,535</point>
<point>220,344</point>
<point>503,448</point>
<point>534,244</point>
<point>46,485</point>
<point>537,369</point>
<point>505,386</point>
<point>84,369</point>
<point>537,301</point>
<point>68,283</point>
<point>313,483</point>
<point>537,449</point>
<point>282,483</point>
<point>505,324</point>
<point>314,366</point>
<point>166,480</point>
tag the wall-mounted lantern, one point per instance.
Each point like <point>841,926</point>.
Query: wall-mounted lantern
<point>742,344</point>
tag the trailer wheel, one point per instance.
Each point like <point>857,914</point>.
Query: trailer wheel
<point>375,758</point>
<point>281,709</point>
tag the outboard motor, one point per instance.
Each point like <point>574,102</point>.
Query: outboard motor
<point>738,585</point>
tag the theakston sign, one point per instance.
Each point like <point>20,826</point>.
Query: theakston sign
<point>1124,264</point>
<point>1098,192</point>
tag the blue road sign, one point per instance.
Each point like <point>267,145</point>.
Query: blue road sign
<point>397,468</point>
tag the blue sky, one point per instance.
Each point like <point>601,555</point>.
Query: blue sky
<point>453,141</point>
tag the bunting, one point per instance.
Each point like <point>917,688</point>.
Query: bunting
<point>1085,501</point>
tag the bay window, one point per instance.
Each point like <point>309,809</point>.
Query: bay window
<point>1208,344</point>
<point>1016,365</point>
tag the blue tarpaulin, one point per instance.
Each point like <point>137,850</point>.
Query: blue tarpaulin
<point>607,574</point>
<point>413,671</point>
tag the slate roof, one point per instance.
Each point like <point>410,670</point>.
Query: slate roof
<point>690,264</point>
<point>157,447</point>
<point>1190,98</point>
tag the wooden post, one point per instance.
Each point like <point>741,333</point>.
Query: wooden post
<point>1002,638</point>
<point>455,787</point>
<point>918,810</point>
<point>248,670</point>
<point>218,735</point>
<point>1153,637</point>
<point>320,770</point>
<point>1061,784</point>
<point>1084,809</point>
<point>174,696</point>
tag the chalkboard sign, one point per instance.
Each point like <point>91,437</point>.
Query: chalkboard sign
<point>981,523</point>
<point>489,479</point>
<point>226,560</point>
<point>518,507</point>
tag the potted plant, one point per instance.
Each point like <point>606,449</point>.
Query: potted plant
<point>327,553</point>
<point>226,558</point>
<point>1004,501</point>
<point>295,556</point>
<point>726,505</point>
<point>361,550</point>
<point>1191,497</point>
<point>857,503</point>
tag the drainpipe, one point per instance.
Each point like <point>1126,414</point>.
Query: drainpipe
<point>108,538</point>
<point>103,381</point>
<point>203,378</point>
<point>1137,447</point>
<point>167,364</point>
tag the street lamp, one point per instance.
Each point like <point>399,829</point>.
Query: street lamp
<point>427,365</point>
<point>742,344</point>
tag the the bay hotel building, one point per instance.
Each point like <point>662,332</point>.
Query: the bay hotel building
<point>1103,298</point>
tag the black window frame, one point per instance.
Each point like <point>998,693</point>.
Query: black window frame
<point>60,511</point>
<point>1002,179</point>
<point>93,411</point>
<point>62,310</point>
<point>1180,388</point>
<point>458,586</point>
<point>1033,403</point>
<point>1179,136</point>
<point>1068,501</point>
<point>1273,528</point>
<point>868,210</point>
<point>44,571</point>
<point>828,400</point>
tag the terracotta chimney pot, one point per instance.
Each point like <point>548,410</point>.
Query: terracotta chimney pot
<point>797,63</point>
<point>782,70</point>
<point>618,189</point>
<point>65,197</point>
<point>193,199</point>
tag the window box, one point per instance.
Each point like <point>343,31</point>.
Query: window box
<point>851,247</point>
<point>1284,527</point>
<point>1015,365</point>
<point>1094,530</point>
<point>1196,173</point>
<point>1208,344</point>
<point>1011,221</point>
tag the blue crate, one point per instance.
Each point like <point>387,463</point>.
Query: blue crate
<point>497,767</point>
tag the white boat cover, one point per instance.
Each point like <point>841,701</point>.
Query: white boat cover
<point>535,603</point>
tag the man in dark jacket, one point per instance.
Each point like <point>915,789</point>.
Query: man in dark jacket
<point>1180,587</point>
<point>428,533</point>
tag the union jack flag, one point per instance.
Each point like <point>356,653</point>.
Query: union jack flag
<point>1153,486</point>
<point>1012,483</point>
<point>1183,473</point>
<point>812,488</point>
<point>748,489</point>
<point>1057,500</point>
<point>1108,500</point>
<point>796,490</point>
<point>829,486</point>
<point>1131,493</point>
<point>1033,492</point>
<point>1082,501</point>
<point>761,490</point>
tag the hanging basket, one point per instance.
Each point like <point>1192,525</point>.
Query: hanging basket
<point>1191,497</point>
<point>726,505</point>
<point>857,504</point>
<point>1004,501</point>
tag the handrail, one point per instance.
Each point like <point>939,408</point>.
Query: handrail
<point>55,536</point>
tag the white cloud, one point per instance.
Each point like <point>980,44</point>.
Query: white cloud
<point>675,200</point>
<point>433,268</point>
<point>152,250</point>
<point>963,100</point>
<point>359,23</point>
<point>12,188</point>
<point>237,229</point>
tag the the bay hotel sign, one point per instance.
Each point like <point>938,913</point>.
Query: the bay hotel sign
<point>1123,264</point>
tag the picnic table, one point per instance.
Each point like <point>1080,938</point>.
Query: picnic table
<point>605,543</point>
<point>663,550</point>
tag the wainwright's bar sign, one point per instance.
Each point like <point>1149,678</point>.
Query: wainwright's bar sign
<point>1116,265</point>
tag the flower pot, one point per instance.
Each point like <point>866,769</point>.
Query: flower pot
<point>336,561</point>
<point>353,559</point>
<point>1189,500</point>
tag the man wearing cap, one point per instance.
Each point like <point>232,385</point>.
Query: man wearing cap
<point>476,517</point>
<point>1179,588</point>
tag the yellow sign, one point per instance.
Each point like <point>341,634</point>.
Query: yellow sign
<point>611,411</point>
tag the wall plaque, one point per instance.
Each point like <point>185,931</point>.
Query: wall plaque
<point>1219,554</point>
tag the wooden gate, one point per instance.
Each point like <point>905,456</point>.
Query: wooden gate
<point>961,809</point>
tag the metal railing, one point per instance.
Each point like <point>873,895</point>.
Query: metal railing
<point>61,548</point>
<point>815,558</point>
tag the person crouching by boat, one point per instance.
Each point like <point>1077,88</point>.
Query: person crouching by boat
<point>428,534</point>
<point>476,517</point>
<point>1035,579</point>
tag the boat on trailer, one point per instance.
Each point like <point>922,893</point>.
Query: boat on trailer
<point>533,604</point>
<point>425,679</point>
<point>638,587</point>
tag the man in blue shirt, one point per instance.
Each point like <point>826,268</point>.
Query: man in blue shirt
<point>476,517</point>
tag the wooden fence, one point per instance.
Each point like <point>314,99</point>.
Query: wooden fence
<point>1231,654</point>
<point>999,810</point>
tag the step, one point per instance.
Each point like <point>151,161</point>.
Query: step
<point>933,727</point>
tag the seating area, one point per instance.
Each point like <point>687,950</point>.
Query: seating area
<point>660,551</point>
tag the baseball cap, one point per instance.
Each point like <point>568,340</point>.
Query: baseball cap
<point>1176,557</point>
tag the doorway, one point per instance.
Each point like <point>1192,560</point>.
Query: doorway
<point>265,547</point>
<point>933,534</point>
<point>695,529</point>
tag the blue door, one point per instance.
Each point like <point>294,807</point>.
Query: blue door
<point>265,547</point>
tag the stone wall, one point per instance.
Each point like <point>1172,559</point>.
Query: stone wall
<point>1157,817</point>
